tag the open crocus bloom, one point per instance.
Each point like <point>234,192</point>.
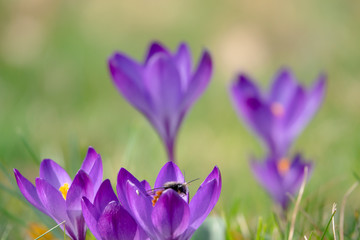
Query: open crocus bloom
<point>107,219</point>
<point>163,87</point>
<point>281,177</point>
<point>56,195</point>
<point>281,115</point>
<point>172,215</point>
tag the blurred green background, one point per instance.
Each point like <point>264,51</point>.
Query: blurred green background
<point>56,96</point>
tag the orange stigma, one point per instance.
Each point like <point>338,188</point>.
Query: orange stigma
<point>64,190</point>
<point>156,197</point>
<point>277,109</point>
<point>283,166</point>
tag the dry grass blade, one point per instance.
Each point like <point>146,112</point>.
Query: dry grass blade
<point>342,210</point>
<point>333,220</point>
<point>51,229</point>
<point>327,226</point>
<point>296,208</point>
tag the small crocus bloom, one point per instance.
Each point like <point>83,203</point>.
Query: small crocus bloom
<point>163,87</point>
<point>281,177</point>
<point>56,195</point>
<point>279,116</point>
<point>107,219</point>
<point>172,215</point>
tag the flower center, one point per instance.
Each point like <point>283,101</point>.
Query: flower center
<point>64,190</point>
<point>283,166</point>
<point>277,109</point>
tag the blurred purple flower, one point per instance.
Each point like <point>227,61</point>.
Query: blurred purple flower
<point>168,214</point>
<point>58,196</point>
<point>163,87</point>
<point>107,219</point>
<point>281,115</point>
<point>281,177</point>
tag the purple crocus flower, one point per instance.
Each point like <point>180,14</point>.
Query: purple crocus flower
<point>281,177</point>
<point>281,115</point>
<point>163,87</point>
<point>168,214</point>
<point>59,197</point>
<point>107,219</point>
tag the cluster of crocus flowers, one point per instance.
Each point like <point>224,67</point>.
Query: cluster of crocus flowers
<point>138,212</point>
<point>59,197</point>
<point>163,87</point>
<point>278,118</point>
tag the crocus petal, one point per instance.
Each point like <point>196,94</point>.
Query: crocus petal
<point>146,185</point>
<point>53,173</point>
<point>199,81</point>
<point>123,177</point>
<point>155,48</point>
<point>52,201</point>
<point>171,215</point>
<point>295,108</point>
<point>214,174</point>
<point>127,77</point>
<point>170,172</point>
<point>251,107</point>
<point>77,219</point>
<point>313,101</point>
<point>104,195</point>
<point>116,223</point>
<point>184,64</point>
<point>92,165</point>
<point>205,198</point>
<point>203,202</point>
<point>162,80</point>
<point>140,208</point>
<point>267,175</point>
<point>81,187</point>
<point>91,216</point>
<point>28,190</point>
<point>246,88</point>
<point>283,87</point>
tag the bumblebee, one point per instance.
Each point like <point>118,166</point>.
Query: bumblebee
<point>179,187</point>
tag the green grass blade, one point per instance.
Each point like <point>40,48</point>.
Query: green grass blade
<point>259,229</point>
<point>327,226</point>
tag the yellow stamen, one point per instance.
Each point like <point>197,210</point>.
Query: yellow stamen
<point>36,229</point>
<point>283,166</point>
<point>64,190</point>
<point>277,109</point>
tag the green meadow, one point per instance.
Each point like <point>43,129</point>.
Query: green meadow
<point>57,99</point>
